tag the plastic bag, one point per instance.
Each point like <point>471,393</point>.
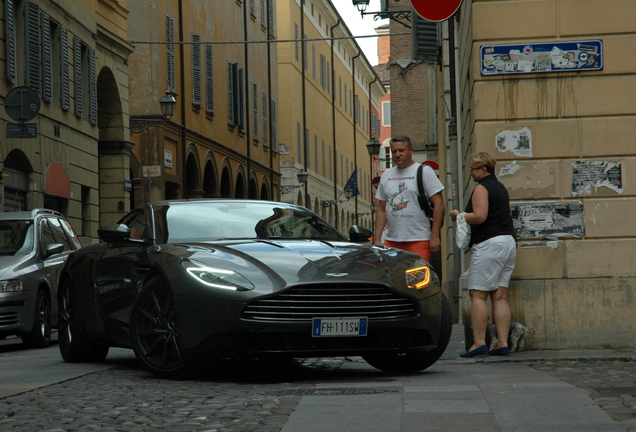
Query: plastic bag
<point>462,232</point>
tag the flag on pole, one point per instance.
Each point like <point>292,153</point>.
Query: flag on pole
<point>352,184</point>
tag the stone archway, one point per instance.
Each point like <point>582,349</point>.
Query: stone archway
<point>240,190</point>
<point>210,182</point>
<point>227,189</point>
<point>193,174</point>
<point>114,153</point>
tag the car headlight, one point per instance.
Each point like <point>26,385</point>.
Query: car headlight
<point>12,285</point>
<point>419,276</point>
<point>216,277</point>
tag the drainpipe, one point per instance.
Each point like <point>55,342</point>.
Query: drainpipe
<point>304,102</point>
<point>371,159</point>
<point>248,93</point>
<point>333,122</point>
<point>184,135</point>
<point>355,144</point>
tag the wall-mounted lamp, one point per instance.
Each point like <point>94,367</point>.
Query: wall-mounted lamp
<point>348,194</point>
<point>168,105</point>
<point>373,147</point>
<point>302,179</point>
<point>395,16</point>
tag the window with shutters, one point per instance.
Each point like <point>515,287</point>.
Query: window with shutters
<point>33,56</point>
<point>10,41</point>
<point>78,75</point>
<point>47,59</point>
<point>323,61</point>
<point>209,80</point>
<point>92,89</point>
<point>356,109</point>
<point>296,47</point>
<point>65,74</point>
<point>230,95</point>
<point>426,41</point>
<point>263,14</point>
<point>386,114</point>
<point>172,86</point>
<point>316,153</point>
<point>240,84</point>
<point>253,8</point>
<point>305,53</point>
<point>255,111</point>
<point>313,61</point>
<point>306,152</point>
<point>272,125</point>
<point>236,97</point>
<point>272,18</point>
<point>299,145</point>
<point>196,69</point>
<point>265,132</point>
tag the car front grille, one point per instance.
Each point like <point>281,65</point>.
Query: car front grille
<point>305,302</point>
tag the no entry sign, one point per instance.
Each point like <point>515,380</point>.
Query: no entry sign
<point>436,10</point>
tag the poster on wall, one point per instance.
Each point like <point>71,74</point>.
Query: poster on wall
<point>541,57</point>
<point>596,174</point>
<point>548,219</point>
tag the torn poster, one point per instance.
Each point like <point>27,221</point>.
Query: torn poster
<point>519,142</point>
<point>594,174</point>
<point>548,219</point>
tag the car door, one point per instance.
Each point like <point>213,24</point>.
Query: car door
<point>119,271</point>
<point>52,232</point>
<point>52,259</point>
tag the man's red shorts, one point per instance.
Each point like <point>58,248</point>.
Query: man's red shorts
<point>422,247</point>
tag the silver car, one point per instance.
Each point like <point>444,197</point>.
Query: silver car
<point>33,248</point>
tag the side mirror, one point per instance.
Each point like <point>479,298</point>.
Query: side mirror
<point>54,248</point>
<point>358,234</point>
<point>114,233</point>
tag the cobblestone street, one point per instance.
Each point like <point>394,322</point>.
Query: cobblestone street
<point>251,397</point>
<point>610,383</point>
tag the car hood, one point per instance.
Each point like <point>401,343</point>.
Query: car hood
<point>10,265</point>
<point>303,261</point>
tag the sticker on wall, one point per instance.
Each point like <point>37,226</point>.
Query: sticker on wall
<point>541,57</point>
<point>509,169</point>
<point>548,219</point>
<point>519,142</point>
<point>596,174</point>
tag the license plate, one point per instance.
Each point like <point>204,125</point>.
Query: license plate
<point>340,327</point>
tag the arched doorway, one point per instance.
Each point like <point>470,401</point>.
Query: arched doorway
<point>16,185</point>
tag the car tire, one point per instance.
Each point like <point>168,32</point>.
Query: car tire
<point>417,361</point>
<point>153,332</point>
<point>40,334</point>
<point>76,345</point>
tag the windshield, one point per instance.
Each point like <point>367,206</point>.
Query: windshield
<point>240,220</point>
<point>16,237</point>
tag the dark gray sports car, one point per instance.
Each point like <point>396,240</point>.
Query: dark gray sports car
<point>184,283</point>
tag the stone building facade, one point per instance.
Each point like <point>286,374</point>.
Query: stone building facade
<point>219,61</point>
<point>71,57</point>
<point>547,88</point>
<point>329,99</point>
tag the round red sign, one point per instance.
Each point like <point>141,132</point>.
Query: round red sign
<point>435,10</point>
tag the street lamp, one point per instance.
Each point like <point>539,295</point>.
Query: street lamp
<point>373,147</point>
<point>168,104</point>
<point>302,179</point>
<point>348,194</point>
<point>395,16</point>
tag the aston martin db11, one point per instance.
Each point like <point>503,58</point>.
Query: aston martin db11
<point>187,283</point>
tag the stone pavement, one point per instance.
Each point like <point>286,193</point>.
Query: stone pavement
<point>529,391</point>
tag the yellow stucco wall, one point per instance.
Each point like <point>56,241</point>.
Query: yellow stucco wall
<point>574,291</point>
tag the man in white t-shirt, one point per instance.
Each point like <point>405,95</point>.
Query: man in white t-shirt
<point>407,226</point>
